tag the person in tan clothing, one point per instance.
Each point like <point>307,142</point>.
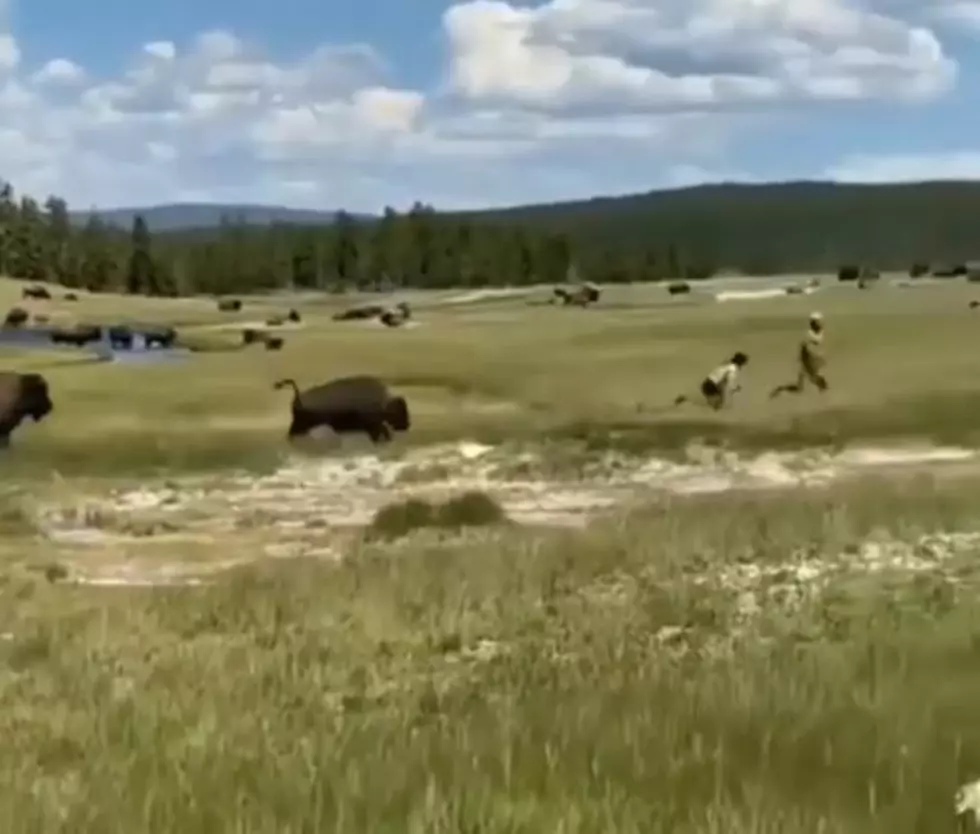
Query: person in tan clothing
<point>810,361</point>
<point>718,386</point>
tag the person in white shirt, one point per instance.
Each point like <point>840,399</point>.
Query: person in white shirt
<point>810,361</point>
<point>718,387</point>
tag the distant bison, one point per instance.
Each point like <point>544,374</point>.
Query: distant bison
<point>393,318</point>
<point>78,336</point>
<point>70,296</point>
<point>580,296</point>
<point>250,335</point>
<point>294,316</point>
<point>679,288</point>
<point>16,317</point>
<point>275,321</point>
<point>349,404</point>
<point>229,305</point>
<point>370,311</point>
<point>120,337</point>
<point>21,395</point>
<point>36,292</point>
<point>163,337</point>
<point>274,342</point>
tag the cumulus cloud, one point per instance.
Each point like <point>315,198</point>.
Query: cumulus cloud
<point>560,99</point>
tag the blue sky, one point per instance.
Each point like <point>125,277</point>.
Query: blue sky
<point>481,102</point>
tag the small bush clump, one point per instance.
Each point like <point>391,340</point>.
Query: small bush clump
<point>470,509</point>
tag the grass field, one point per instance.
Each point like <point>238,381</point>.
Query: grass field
<point>198,633</point>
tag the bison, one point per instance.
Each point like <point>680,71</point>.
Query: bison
<point>578,296</point>
<point>370,311</point>
<point>294,316</point>
<point>679,288</point>
<point>348,404</point>
<point>16,317</point>
<point>274,342</point>
<point>120,337</point>
<point>79,336</point>
<point>229,305</point>
<point>163,337</point>
<point>70,296</point>
<point>36,292</point>
<point>21,395</point>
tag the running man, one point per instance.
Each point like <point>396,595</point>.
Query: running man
<point>718,387</point>
<point>810,361</point>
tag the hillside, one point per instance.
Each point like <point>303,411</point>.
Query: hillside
<point>774,226</point>
<point>759,227</point>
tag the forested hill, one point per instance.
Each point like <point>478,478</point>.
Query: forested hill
<point>182,216</point>
<point>776,226</point>
<point>689,233</point>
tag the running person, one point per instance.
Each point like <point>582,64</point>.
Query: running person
<point>810,361</point>
<point>718,387</point>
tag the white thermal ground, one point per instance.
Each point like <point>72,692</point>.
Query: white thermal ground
<point>298,507</point>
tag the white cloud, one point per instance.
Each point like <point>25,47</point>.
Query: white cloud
<point>59,71</point>
<point>556,100</point>
<point>164,50</point>
<point>950,165</point>
<point>677,54</point>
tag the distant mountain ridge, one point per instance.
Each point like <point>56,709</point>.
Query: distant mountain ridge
<point>180,216</point>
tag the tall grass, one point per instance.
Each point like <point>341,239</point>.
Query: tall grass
<point>610,680</point>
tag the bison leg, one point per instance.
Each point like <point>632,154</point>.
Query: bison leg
<point>378,432</point>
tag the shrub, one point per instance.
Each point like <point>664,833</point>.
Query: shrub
<point>470,509</point>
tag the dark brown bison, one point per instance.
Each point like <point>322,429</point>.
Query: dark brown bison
<point>392,318</point>
<point>581,295</point>
<point>349,404</point>
<point>274,342</point>
<point>36,292</point>
<point>250,335</point>
<point>70,296</point>
<point>679,288</point>
<point>79,335</point>
<point>16,317</point>
<point>370,311</point>
<point>275,321</point>
<point>21,395</point>
<point>121,337</point>
<point>229,305</point>
<point>164,337</point>
<point>294,316</point>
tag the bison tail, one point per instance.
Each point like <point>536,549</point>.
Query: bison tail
<point>287,383</point>
<point>396,414</point>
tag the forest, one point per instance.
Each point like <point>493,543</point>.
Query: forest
<point>687,233</point>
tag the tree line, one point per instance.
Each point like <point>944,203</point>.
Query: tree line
<point>685,234</point>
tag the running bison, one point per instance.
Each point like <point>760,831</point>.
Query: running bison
<point>37,292</point>
<point>347,405</point>
<point>21,395</point>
